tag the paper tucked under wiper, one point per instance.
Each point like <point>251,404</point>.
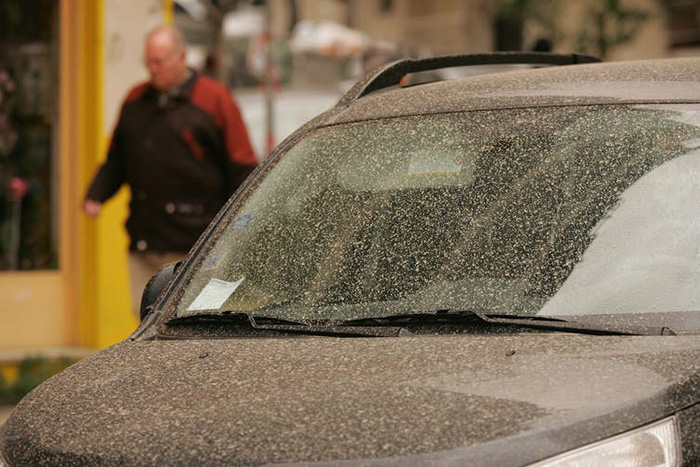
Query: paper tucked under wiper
<point>214,295</point>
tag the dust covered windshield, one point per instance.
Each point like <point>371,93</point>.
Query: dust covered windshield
<point>554,211</point>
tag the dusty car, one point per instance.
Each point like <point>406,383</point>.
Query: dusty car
<point>497,270</point>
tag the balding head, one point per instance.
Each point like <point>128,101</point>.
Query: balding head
<point>165,57</point>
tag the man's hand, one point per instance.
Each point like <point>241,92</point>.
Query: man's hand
<point>92,208</point>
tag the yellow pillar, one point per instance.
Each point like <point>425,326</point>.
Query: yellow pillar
<point>88,82</point>
<point>106,302</point>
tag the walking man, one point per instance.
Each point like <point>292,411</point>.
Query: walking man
<point>182,147</point>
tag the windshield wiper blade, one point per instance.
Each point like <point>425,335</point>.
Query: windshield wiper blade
<point>270,323</point>
<point>230,315</point>
<point>560,324</point>
<point>524,321</point>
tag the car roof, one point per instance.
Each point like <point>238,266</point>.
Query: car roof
<point>649,81</point>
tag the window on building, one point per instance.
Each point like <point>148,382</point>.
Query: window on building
<point>385,6</point>
<point>28,134</point>
<point>684,22</point>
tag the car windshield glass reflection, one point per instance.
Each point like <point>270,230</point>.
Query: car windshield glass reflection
<point>586,210</point>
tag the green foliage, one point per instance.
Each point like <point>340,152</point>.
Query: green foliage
<point>32,372</point>
<point>4,389</point>
<point>10,17</point>
<point>22,20</point>
<point>608,24</point>
<point>605,24</point>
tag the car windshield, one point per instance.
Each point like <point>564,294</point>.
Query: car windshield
<point>584,210</point>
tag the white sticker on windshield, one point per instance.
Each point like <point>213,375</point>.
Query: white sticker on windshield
<point>214,294</point>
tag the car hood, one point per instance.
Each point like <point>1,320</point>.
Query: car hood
<point>500,400</point>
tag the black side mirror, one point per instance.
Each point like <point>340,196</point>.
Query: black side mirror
<point>155,286</point>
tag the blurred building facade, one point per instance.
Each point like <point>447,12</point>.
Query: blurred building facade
<point>65,66</point>
<point>633,29</point>
<point>375,31</point>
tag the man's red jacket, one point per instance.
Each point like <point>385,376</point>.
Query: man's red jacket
<point>182,154</point>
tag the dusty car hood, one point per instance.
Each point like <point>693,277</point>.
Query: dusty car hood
<point>505,400</point>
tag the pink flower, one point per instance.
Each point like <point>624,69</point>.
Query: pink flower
<point>18,188</point>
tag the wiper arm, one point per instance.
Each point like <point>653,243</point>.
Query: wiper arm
<point>537,322</point>
<point>270,323</point>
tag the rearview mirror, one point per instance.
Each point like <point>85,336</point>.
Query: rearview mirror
<point>155,286</point>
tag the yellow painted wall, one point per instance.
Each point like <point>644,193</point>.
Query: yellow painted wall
<point>32,315</point>
<point>111,315</point>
